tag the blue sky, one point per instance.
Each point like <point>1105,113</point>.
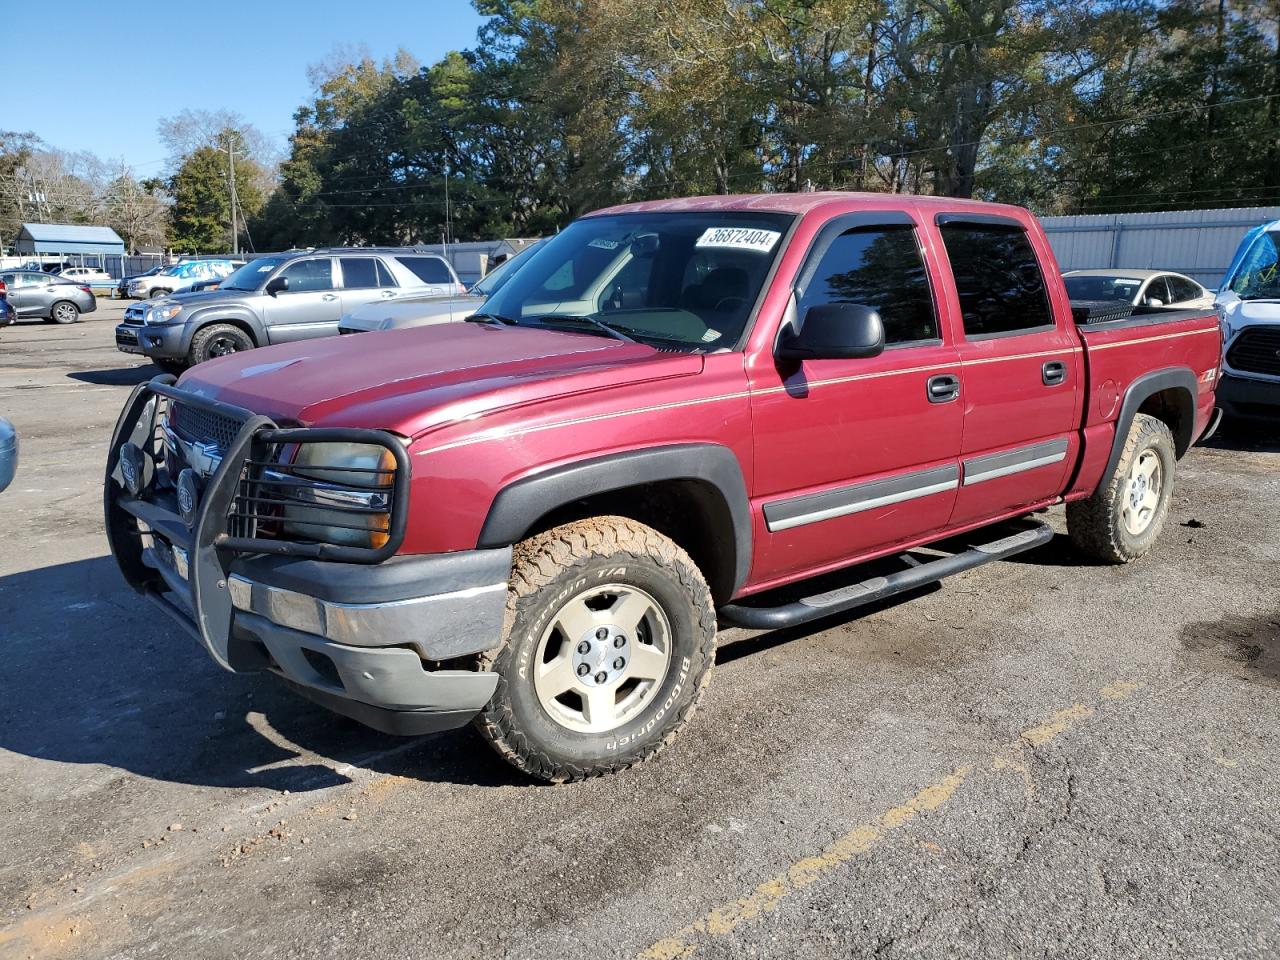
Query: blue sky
<point>121,65</point>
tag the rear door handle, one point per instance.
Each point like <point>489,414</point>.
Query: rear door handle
<point>329,296</point>
<point>1053,373</point>
<point>943,388</point>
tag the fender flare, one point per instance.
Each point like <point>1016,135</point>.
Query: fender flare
<point>518,506</point>
<point>1180,379</point>
<point>236,316</point>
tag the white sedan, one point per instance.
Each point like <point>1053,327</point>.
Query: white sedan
<point>85,275</point>
<point>1142,288</point>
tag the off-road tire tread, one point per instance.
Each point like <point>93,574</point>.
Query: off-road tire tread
<point>1091,523</point>
<point>195,353</point>
<point>537,563</point>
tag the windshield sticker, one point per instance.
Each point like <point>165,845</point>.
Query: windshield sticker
<point>601,243</point>
<point>269,266</point>
<point>739,238</point>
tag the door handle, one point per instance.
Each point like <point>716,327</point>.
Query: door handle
<point>943,388</point>
<point>1053,373</point>
<point>329,296</point>
<point>388,294</point>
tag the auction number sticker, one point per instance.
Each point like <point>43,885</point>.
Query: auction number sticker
<point>739,238</point>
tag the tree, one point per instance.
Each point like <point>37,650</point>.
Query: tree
<point>200,218</point>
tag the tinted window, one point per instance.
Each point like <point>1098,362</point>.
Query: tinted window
<point>880,268</point>
<point>1182,289</point>
<point>997,277</point>
<point>309,275</point>
<point>427,269</point>
<point>384,275</point>
<point>1156,290</point>
<point>359,273</point>
<point>1102,288</point>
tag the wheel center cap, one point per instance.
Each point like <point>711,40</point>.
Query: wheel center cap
<point>601,656</point>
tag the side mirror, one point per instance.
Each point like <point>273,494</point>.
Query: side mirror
<point>1154,302</point>
<point>834,331</point>
<point>277,285</point>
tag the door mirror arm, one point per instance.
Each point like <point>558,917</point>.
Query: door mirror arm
<point>277,285</point>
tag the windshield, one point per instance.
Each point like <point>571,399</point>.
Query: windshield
<point>252,275</point>
<point>1102,288</point>
<point>1259,275</point>
<point>678,280</point>
<point>495,278</point>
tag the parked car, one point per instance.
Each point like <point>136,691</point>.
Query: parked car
<point>420,311</point>
<point>122,287</point>
<point>1249,303</point>
<point>276,299</point>
<point>535,518</point>
<point>180,276</point>
<point>7,313</point>
<point>38,294</point>
<point>84,275</point>
<point>8,453</point>
<point>1152,288</point>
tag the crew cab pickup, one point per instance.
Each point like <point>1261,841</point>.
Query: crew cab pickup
<point>678,414</point>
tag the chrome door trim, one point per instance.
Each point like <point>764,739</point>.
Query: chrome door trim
<point>856,498</point>
<point>1006,462</point>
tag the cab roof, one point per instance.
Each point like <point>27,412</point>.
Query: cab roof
<point>803,203</point>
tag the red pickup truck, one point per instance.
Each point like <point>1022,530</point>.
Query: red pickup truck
<point>677,414</point>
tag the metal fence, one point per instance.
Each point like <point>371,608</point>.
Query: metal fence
<point>1198,243</point>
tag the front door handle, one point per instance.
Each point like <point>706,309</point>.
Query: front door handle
<point>329,296</point>
<point>1053,373</point>
<point>943,388</point>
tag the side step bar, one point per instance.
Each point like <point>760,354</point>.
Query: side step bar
<point>877,588</point>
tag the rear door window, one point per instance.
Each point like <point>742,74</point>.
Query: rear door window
<point>1157,289</point>
<point>427,269</point>
<point>385,279</point>
<point>998,279</point>
<point>359,273</point>
<point>1182,290</point>
<point>878,267</point>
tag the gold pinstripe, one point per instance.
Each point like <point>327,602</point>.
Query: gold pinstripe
<point>834,381</point>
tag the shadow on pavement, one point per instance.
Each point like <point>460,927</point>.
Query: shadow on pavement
<point>94,675</point>
<point>1253,436</point>
<point>117,377</point>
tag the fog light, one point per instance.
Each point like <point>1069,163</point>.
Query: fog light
<point>132,469</point>
<point>188,496</point>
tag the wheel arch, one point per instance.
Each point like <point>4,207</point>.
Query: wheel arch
<point>1168,395</point>
<point>694,493</point>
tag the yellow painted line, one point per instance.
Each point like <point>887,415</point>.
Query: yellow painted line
<point>770,894</point>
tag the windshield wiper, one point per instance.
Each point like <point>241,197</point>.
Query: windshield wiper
<point>491,318</point>
<point>550,319</point>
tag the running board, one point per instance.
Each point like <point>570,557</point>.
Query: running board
<point>877,588</point>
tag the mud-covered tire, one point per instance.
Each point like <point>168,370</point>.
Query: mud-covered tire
<point>1098,526</point>
<point>218,340</point>
<point>550,571</point>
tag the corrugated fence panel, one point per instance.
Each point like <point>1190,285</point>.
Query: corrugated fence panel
<point>1199,243</point>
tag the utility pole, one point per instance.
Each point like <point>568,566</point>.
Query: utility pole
<point>231,166</point>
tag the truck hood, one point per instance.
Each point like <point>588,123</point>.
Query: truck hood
<point>1238,314</point>
<point>411,381</point>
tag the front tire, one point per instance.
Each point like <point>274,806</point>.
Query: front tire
<point>64,312</point>
<point>1125,515</point>
<point>218,340</point>
<point>610,639</point>
<point>175,367</point>
<point>157,293</point>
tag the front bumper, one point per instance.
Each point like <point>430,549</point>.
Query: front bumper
<point>1244,398</point>
<point>363,639</point>
<point>164,341</point>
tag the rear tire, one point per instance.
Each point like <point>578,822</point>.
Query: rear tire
<point>218,340</point>
<point>610,640</point>
<point>157,293</point>
<point>64,311</point>
<point>1125,515</point>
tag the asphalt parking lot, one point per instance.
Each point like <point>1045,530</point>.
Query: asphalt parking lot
<point>1038,758</point>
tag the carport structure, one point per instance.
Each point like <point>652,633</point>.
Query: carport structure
<point>82,244</point>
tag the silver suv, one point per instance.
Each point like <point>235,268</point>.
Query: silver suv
<point>277,299</point>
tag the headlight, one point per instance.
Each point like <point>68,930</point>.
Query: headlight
<point>162,313</point>
<point>350,501</point>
